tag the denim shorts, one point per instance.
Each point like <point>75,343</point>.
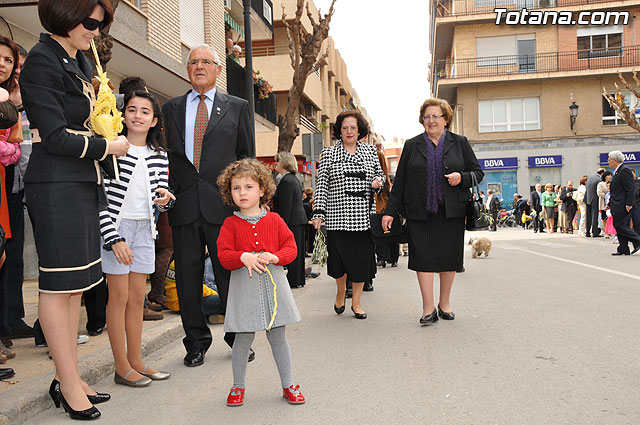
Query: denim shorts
<point>137,234</point>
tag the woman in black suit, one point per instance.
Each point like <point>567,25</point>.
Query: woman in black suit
<point>431,190</point>
<point>287,201</point>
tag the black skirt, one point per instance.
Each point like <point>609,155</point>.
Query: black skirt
<point>437,244</point>
<point>352,253</point>
<point>66,230</point>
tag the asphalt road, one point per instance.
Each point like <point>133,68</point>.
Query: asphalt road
<point>546,332</point>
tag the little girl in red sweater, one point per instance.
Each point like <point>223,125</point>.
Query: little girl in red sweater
<point>254,245</point>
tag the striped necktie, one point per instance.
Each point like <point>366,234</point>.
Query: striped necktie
<point>200,126</point>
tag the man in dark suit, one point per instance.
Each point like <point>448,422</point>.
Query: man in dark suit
<point>622,200</point>
<point>569,205</point>
<point>206,130</point>
<point>536,205</point>
<point>494,208</point>
<point>591,199</point>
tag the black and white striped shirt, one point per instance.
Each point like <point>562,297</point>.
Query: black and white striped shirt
<point>156,165</point>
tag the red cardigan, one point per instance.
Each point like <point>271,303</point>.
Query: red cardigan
<point>270,234</point>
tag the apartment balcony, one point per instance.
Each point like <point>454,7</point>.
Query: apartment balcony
<point>261,17</point>
<point>449,8</point>
<point>265,109</point>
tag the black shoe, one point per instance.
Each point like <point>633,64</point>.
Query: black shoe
<point>6,373</point>
<point>252,355</point>
<point>597,236</point>
<point>6,342</point>
<point>382,264</point>
<point>636,249</point>
<point>23,331</point>
<point>339,310</point>
<point>620,253</point>
<point>38,335</point>
<point>368,286</point>
<point>394,264</point>
<point>83,415</point>
<point>445,315</point>
<point>359,315</point>
<point>95,332</point>
<point>587,235</point>
<point>54,389</point>
<point>429,318</point>
<point>313,275</point>
<point>348,294</point>
<point>195,357</point>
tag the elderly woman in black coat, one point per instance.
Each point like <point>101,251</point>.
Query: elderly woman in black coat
<point>431,190</point>
<point>287,202</point>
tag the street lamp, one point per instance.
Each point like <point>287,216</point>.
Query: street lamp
<point>573,113</point>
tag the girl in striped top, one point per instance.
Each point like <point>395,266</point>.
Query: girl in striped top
<point>128,231</point>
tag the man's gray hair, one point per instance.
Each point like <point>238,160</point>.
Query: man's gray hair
<point>617,156</point>
<point>204,46</point>
<point>236,47</point>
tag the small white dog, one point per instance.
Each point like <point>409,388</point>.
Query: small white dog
<point>479,246</point>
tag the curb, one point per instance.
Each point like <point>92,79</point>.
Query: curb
<point>30,397</point>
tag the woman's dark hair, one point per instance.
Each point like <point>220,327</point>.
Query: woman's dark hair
<point>61,16</point>
<point>363,125</point>
<point>605,174</point>
<point>155,137</point>
<point>583,179</point>
<point>10,83</point>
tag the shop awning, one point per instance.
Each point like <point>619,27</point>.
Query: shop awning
<point>233,24</point>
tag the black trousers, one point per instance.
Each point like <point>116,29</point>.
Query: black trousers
<point>538,223</point>
<point>189,242</point>
<point>388,252</point>
<point>592,219</point>
<point>295,269</point>
<point>494,216</point>
<point>95,301</point>
<point>622,221</point>
<point>15,261</point>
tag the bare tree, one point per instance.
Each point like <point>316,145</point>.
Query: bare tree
<point>617,101</point>
<point>104,42</point>
<point>304,48</point>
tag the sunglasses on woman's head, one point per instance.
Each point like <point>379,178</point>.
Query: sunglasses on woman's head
<point>91,24</point>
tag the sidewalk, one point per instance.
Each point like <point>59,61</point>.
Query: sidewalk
<point>25,395</point>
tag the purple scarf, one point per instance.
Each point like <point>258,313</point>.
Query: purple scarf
<point>435,171</point>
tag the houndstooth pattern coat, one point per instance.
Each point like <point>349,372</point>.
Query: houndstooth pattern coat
<point>343,191</point>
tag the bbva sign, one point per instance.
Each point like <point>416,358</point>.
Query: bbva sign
<point>499,163</point>
<point>545,161</point>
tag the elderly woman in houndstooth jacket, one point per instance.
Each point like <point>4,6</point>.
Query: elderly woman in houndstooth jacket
<point>348,172</point>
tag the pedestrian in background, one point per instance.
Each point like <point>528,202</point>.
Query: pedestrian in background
<point>348,172</point>
<point>536,205</point>
<point>287,202</point>
<point>569,205</point>
<point>493,206</point>
<point>549,204</point>
<point>635,212</point>
<point>622,202</point>
<point>579,197</point>
<point>602,189</point>
<point>387,252</point>
<point>62,184</point>
<point>431,190</point>
<point>593,204</point>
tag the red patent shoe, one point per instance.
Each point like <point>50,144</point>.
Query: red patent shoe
<point>293,394</point>
<point>236,397</point>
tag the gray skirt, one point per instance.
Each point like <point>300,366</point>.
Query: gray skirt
<point>250,303</point>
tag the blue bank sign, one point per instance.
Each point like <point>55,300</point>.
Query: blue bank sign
<point>499,163</point>
<point>629,158</point>
<point>545,161</point>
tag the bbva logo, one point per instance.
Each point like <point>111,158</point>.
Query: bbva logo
<point>629,156</point>
<point>493,163</point>
<point>545,160</point>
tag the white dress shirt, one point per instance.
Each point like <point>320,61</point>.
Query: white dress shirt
<point>190,118</point>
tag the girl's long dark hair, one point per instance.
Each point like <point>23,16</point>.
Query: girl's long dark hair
<point>155,137</point>
<point>10,83</point>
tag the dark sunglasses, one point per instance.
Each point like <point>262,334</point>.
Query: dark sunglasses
<point>91,24</point>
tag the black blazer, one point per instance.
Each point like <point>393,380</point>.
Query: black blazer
<point>495,205</point>
<point>287,201</point>
<point>568,203</point>
<point>229,137</point>
<point>409,193</point>
<point>56,92</point>
<point>536,202</point>
<point>623,190</point>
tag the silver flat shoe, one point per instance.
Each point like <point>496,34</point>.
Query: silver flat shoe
<point>142,382</point>
<point>158,376</point>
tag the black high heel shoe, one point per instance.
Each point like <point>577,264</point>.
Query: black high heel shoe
<point>97,398</point>
<point>445,315</point>
<point>339,310</point>
<point>82,415</point>
<point>359,315</point>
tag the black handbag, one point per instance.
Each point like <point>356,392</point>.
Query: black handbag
<point>380,236</point>
<point>476,218</point>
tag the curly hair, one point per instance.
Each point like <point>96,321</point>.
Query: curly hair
<point>251,168</point>
<point>363,125</point>
<point>447,112</point>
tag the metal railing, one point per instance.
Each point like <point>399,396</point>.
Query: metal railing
<point>577,60</point>
<point>308,124</point>
<point>261,51</point>
<point>445,8</point>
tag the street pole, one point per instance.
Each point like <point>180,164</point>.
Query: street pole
<point>248,69</point>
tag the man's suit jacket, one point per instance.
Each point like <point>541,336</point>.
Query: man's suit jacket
<point>228,137</point>
<point>591,196</point>
<point>536,202</point>
<point>409,193</point>
<point>495,205</point>
<point>623,190</point>
<point>568,203</point>
<point>287,201</point>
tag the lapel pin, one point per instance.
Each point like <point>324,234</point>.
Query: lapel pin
<point>65,60</point>
<point>218,110</point>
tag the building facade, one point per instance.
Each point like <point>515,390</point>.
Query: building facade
<point>512,86</point>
